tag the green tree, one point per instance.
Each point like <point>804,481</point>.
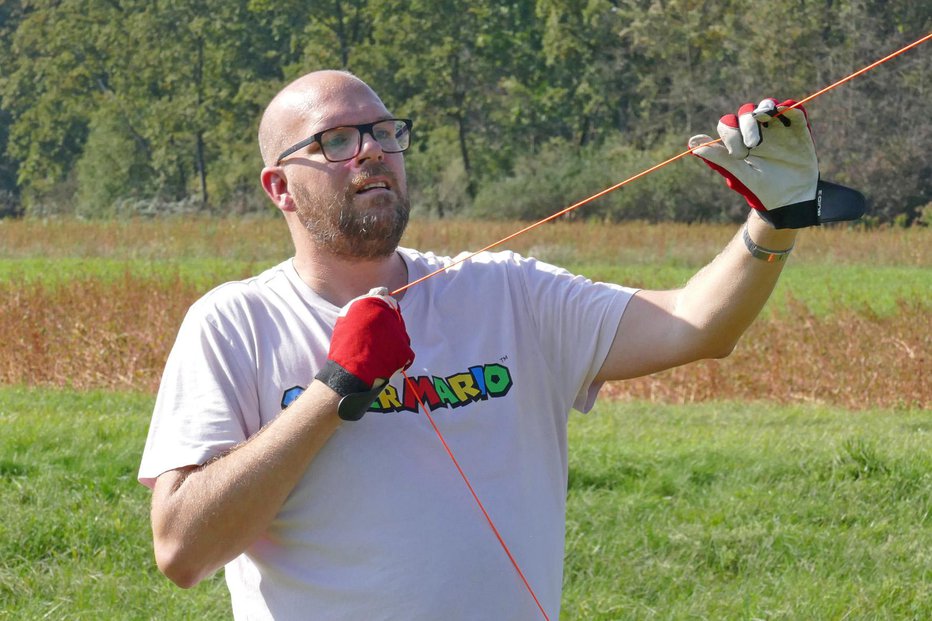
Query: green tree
<point>446,62</point>
<point>184,78</point>
<point>187,67</point>
<point>46,81</point>
<point>585,87</point>
<point>867,133</point>
<point>327,37</point>
<point>9,203</point>
<point>111,166</point>
<point>169,93</point>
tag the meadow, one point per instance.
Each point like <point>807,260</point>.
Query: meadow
<point>97,305</point>
<point>723,510</point>
<point>792,480</point>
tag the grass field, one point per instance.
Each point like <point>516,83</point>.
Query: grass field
<point>74,534</point>
<point>97,305</point>
<point>792,480</point>
<point>749,511</point>
<point>709,511</point>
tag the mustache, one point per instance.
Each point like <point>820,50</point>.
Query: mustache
<point>375,169</point>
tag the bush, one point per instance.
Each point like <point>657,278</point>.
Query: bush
<point>925,215</point>
<point>561,175</point>
<point>156,206</point>
<point>9,205</point>
<point>437,180</point>
<point>54,199</point>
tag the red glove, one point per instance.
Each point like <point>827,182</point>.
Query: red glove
<point>369,345</point>
<point>767,155</point>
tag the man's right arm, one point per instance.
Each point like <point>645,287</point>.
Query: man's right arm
<point>205,516</point>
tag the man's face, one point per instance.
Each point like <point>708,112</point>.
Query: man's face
<point>356,222</point>
<point>357,208</point>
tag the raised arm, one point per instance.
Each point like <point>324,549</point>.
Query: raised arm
<point>767,155</point>
<point>704,319</point>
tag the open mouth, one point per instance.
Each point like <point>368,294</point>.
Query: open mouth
<point>372,186</point>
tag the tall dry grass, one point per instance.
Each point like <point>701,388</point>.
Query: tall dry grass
<point>90,333</point>
<point>850,359</point>
<point>116,335</point>
<point>169,238</point>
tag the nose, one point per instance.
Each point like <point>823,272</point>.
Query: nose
<point>369,147</point>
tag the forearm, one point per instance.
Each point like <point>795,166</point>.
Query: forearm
<point>725,297</point>
<point>204,517</point>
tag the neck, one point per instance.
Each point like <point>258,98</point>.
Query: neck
<point>338,279</point>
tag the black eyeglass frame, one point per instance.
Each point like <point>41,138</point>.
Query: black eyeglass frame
<point>362,128</point>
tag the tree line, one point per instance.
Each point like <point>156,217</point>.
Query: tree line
<point>113,107</point>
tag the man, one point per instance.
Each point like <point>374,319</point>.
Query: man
<point>262,455</point>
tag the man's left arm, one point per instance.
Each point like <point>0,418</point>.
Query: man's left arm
<point>768,156</point>
<point>705,318</point>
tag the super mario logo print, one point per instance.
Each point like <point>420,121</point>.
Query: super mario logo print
<point>477,383</point>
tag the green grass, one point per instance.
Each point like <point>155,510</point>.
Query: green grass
<point>823,288</point>
<point>74,536</point>
<point>202,272</point>
<point>728,511</point>
<point>714,511</point>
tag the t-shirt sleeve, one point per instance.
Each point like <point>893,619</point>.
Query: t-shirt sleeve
<point>207,401</point>
<point>577,321</point>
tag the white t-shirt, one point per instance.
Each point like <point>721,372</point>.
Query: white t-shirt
<point>381,526</point>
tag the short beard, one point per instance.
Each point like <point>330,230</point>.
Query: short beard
<point>351,233</point>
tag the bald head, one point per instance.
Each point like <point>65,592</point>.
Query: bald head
<point>309,104</point>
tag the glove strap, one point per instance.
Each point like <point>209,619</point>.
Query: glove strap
<point>832,203</point>
<point>356,395</point>
<point>764,254</point>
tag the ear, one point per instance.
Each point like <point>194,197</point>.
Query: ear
<point>275,185</point>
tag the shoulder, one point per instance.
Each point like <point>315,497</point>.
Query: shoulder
<point>482,262</point>
<point>238,299</point>
<point>487,272</point>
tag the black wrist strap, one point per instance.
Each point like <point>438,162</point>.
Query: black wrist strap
<point>340,380</point>
<point>356,395</point>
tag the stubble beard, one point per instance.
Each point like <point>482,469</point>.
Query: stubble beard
<point>352,231</point>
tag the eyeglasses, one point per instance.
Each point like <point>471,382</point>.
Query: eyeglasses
<point>339,144</point>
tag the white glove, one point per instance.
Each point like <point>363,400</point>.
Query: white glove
<point>767,155</point>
